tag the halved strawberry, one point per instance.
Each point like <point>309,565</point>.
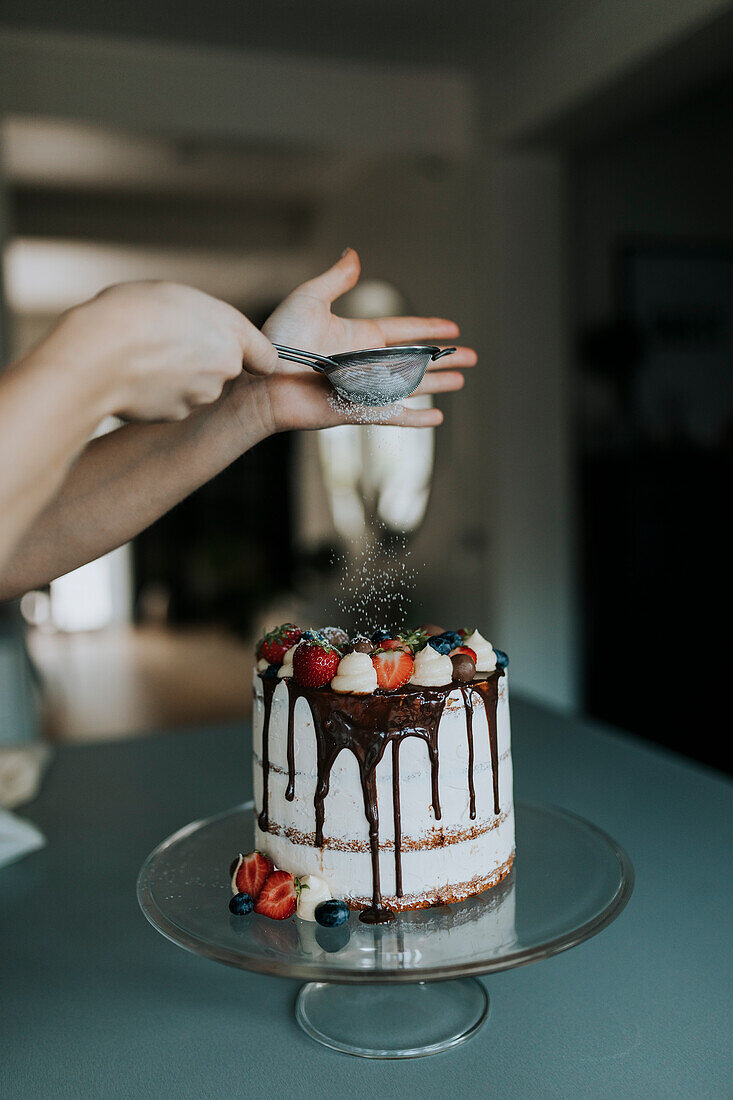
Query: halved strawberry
<point>250,873</point>
<point>394,667</point>
<point>464,649</point>
<point>279,896</point>
<point>277,642</point>
<point>315,663</point>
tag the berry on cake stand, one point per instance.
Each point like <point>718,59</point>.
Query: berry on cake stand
<point>400,990</point>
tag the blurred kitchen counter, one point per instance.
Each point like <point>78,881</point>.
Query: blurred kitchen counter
<point>126,681</point>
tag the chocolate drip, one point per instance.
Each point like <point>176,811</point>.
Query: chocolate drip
<point>365,725</point>
<point>489,691</point>
<point>397,816</point>
<point>268,690</point>
<point>468,705</point>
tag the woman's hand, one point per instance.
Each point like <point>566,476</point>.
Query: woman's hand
<point>160,349</point>
<point>297,397</point>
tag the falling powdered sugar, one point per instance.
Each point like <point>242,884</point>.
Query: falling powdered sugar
<point>376,585</point>
<point>352,413</point>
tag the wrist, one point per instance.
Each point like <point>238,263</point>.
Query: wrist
<point>251,406</point>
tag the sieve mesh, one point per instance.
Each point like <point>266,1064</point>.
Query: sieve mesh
<point>376,376</point>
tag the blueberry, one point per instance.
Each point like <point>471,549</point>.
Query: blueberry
<point>332,913</point>
<point>381,635</point>
<point>453,637</point>
<point>270,672</point>
<point>241,904</point>
<point>441,643</point>
<point>501,658</point>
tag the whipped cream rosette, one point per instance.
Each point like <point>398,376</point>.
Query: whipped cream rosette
<point>432,669</point>
<point>356,674</point>
<point>485,656</point>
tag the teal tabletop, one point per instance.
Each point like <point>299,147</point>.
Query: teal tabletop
<point>95,1003</point>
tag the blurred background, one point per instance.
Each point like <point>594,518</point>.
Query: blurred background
<point>554,174</point>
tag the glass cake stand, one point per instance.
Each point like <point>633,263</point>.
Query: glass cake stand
<point>405,989</point>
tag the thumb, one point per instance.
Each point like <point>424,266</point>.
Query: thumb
<point>258,354</point>
<point>337,279</point>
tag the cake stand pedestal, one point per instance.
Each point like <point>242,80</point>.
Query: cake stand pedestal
<point>405,989</point>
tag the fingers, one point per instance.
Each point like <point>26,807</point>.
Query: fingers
<point>394,416</point>
<point>417,418</point>
<point>461,357</point>
<point>408,330</point>
<point>445,381</point>
<point>343,276</point>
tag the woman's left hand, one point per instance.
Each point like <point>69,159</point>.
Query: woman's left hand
<point>297,397</point>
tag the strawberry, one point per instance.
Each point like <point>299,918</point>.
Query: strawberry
<point>464,649</point>
<point>250,872</point>
<point>315,663</point>
<point>277,642</point>
<point>279,896</point>
<point>394,667</point>
<point>393,643</point>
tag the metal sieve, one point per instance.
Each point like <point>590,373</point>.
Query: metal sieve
<point>375,376</point>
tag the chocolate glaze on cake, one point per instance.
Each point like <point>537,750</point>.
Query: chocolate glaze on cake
<point>365,725</point>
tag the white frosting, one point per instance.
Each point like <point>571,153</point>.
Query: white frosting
<point>356,674</point>
<point>432,669</point>
<point>286,668</point>
<point>262,665</point>
<point>485,656</point>
<point>345,864</point>
<point>310,898</point>
<point>234,874</point>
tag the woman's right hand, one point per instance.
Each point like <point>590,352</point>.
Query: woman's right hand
<point>157,350</point>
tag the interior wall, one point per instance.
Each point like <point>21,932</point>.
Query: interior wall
<point>532,536</point>
<point>582,56</point>
<point>670,177</point>
<point>234,94</point>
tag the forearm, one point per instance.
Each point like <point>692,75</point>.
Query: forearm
<point>124,481</point>
<point>48,410</point>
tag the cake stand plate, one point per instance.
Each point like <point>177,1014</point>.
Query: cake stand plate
<point>405,989</point>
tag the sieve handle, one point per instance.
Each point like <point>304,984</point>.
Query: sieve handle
<point>307,358</point>
<point>442,352</point>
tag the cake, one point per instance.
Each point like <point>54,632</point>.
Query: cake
<point>382,766</point>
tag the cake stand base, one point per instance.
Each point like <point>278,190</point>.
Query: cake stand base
<point>392,1021</point>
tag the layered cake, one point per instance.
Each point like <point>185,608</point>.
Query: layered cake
<point>382,765</point>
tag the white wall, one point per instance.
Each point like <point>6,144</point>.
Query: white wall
<point>531,554</point>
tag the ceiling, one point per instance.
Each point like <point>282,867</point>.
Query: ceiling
<point>56,153</point>
<point>418,31</point>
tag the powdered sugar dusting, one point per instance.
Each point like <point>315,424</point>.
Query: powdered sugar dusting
<point>352,413</point>
<point>376,585</point>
